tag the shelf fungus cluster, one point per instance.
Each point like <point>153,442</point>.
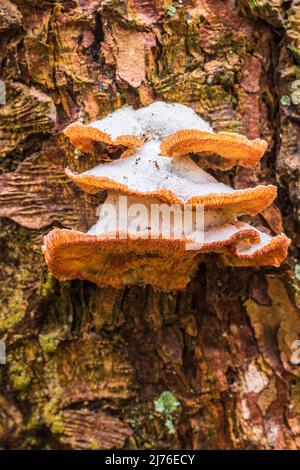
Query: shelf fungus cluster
<point>155,167</point>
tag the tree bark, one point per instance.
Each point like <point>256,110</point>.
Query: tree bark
<point>213,367</point>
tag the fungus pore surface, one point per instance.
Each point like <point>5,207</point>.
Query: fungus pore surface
<point>141,236</point>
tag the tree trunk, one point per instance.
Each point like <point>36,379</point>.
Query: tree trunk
<point>213,367</point>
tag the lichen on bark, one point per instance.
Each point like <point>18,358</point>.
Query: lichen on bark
<point>80,356</point>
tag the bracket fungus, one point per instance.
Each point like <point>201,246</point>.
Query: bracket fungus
<point>128,245</point>
<point>231,148</point>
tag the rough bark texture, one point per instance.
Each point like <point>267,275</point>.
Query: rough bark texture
<point>212,367</point>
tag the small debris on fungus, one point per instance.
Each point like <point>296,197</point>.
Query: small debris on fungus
<point>159,172</point>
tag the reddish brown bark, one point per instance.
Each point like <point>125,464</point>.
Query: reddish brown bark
<point>87,367</point>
